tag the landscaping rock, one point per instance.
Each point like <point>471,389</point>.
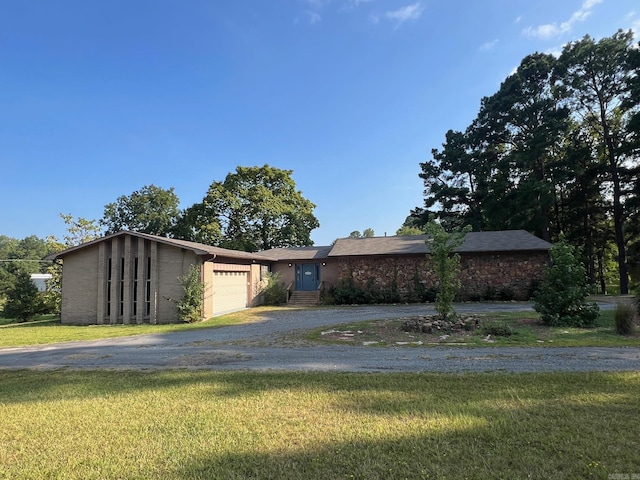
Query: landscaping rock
<point>434,324</point>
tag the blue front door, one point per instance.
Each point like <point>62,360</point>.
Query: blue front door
<point>307,276</point>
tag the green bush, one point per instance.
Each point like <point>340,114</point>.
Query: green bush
<point>190,305</point>
<point>507,294</point>
<point>561,296</point>
<point>624,316</point>
<point>498,329</point>
<point>490,293</point>
<point>275,292</point>
<point>23,301</point>
<point>346,292</point>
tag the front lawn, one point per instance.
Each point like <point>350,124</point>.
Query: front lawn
<point>202,425</point>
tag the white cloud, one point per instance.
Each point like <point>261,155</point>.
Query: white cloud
<point>317,3</point>
<point>355,3</point>
<point>351,5</point>
<point>551,30</point>
<point>488,45</point>
<point>314,17</point>
<point>406,13</point>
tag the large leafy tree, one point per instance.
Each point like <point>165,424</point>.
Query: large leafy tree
<point>455,180</point>
<point>254,208</point>
<point>151,209</point>
<point>527,123</point>
<point>499,172</point>
<point>79,230</point>
<point>554,150</point>
<point>598,78</point>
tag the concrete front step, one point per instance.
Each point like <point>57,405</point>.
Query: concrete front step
<point>303,299</point>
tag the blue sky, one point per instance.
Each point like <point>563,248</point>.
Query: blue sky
<point>98,99</point>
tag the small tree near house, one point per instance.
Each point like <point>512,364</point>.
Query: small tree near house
<point>23,301</point>
<point>446,265</point>
<point>561,297</point>
<point>190,306</point>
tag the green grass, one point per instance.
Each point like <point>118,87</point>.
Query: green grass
<point>50,330</point>
<point>201,425</point>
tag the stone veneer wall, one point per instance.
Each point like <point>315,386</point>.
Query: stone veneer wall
<point>480,273</point>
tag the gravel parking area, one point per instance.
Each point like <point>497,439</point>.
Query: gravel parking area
<point>256,346</point>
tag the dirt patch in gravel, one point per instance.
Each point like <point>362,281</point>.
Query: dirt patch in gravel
<point>470,330</point>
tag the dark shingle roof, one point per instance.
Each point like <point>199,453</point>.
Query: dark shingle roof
<point>501,241</point>
<point>197,248</point>
<point>297,253</point>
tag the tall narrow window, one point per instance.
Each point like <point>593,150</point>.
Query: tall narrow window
<point>121,299</point>
<point>147,289</point>
<point>135,286</point>
<point>109,288</point>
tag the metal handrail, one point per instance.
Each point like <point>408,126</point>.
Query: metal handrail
<point>289,292</point>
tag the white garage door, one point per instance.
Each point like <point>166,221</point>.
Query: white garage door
<point>229,292</point>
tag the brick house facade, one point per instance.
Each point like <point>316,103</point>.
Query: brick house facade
<point>132,278</point>
<point>510,263</point>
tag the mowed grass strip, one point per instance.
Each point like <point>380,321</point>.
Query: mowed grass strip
<point>51,331</point>
<point>202,425</point>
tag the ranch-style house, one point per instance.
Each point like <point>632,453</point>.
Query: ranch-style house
<point>131,277</point>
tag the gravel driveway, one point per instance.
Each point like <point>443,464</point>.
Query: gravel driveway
<point>259,346</point>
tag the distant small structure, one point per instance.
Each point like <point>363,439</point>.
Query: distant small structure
<point>40,280</point>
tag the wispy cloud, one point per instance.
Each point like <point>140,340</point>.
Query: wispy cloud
<point>551,30</point>
<point>405,14</point>
<point>313,17</point>
<point>488,45</point>
<point>350,5</point>
<point>316,3</point>
<point>312,12</point>
<point>315,9</point>
<point>408,12</point>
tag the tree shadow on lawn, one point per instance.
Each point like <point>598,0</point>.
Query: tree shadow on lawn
<point>551,425</point>
<point>361,392</point>
<point>513,432</point>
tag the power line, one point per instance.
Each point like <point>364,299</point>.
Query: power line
<point>24,260</point>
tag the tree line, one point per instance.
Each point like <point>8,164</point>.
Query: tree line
<point>554,151</point>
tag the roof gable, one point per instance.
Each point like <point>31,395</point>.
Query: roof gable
<point>197,248</point>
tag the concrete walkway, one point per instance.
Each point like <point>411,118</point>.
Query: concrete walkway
<point>259,346</point>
